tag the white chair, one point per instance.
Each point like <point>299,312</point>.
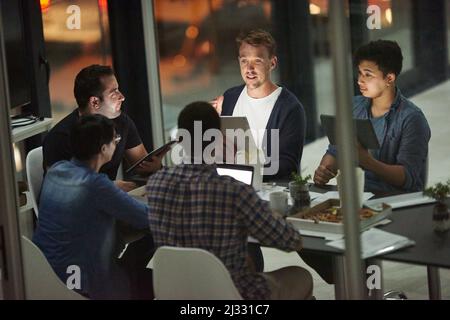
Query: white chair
<point>41,282</point>
<point>191,274</point>
<point>35,174</point>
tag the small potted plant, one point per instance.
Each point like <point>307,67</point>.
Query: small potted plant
<point>440,192</point>
<point>299,190</point>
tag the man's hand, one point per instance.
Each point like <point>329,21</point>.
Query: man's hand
<point>125,185</point>
<point>326,171</point>
<point>128,233</point>
<point>153,165</point>
<point>323,174</point>
<point>364,156</point>
<point>217,104</point>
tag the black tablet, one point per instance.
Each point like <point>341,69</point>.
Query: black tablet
<point>364,131</point>
<point>155,152</point>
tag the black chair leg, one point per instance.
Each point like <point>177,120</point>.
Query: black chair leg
<point>255,253</point>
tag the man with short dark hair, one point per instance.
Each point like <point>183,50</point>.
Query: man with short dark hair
<point>97,92</point>
<point>400,126</point>
<point>266,105</point>
<point>190,205</point>
<point>78,212</point>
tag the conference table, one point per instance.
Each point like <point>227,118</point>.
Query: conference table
<point>431,249</point>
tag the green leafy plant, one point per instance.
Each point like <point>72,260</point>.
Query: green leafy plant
<point>439,191</point>
<point>299,179</point>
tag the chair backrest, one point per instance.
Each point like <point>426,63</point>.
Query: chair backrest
<point>41,282</point>
<point>35,174</point>
<point>191,274</point>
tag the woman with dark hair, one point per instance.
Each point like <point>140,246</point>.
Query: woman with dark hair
<point>78,211</point>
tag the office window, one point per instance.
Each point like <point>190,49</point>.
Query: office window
<point>70,49</point>
<point>198,52</point>
<point>396,25</point>
<point>447,20</point>
<point>323,68</point>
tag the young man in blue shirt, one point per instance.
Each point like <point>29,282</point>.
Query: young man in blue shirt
<point>400,126</point>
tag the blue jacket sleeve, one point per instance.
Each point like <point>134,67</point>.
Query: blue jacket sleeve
<point>413,151</point>
<point>119,204</point>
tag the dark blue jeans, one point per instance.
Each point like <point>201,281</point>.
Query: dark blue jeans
<point>135,261</point>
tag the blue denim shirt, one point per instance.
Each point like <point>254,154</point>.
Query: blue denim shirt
<point>404,142</point>
<point>78,209</point>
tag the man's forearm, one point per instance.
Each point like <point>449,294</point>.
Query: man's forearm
<point>392,174</point>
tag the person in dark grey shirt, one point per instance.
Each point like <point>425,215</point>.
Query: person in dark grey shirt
<point>401,127</point>
<point>97,92</point>
<point>57,143</point>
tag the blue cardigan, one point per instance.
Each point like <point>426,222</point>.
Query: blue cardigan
<point>288,115</point>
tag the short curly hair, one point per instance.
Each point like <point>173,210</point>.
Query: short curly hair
<point>385,53</point>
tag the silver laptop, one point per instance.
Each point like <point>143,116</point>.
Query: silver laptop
<point>230,122</point>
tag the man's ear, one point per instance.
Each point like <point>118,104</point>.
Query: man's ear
<point>390,78</point>
<point>273,62</point>
<point>103,148</point>
<point>94,103</point>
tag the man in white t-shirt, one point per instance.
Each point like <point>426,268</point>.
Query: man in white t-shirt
<point>267,106</point>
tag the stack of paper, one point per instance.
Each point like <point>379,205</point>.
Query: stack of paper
<point>376,242</point>
<point>335,195</point>
<point>403,200</point>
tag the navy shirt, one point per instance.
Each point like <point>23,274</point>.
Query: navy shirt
<point>404,134</point>
<point>288,117</point>
<point>56,146</point>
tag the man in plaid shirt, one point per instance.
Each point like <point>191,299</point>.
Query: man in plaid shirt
<point>190,205</point>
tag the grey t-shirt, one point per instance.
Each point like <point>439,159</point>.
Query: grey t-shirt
<point>379,126</point>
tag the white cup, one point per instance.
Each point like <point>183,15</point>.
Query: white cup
<point>279,201</point>
<point>360,180</point>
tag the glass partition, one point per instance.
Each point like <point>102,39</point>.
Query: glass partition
<point>70,47</point>
<point>396,24</point>
<point>197,48</point>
